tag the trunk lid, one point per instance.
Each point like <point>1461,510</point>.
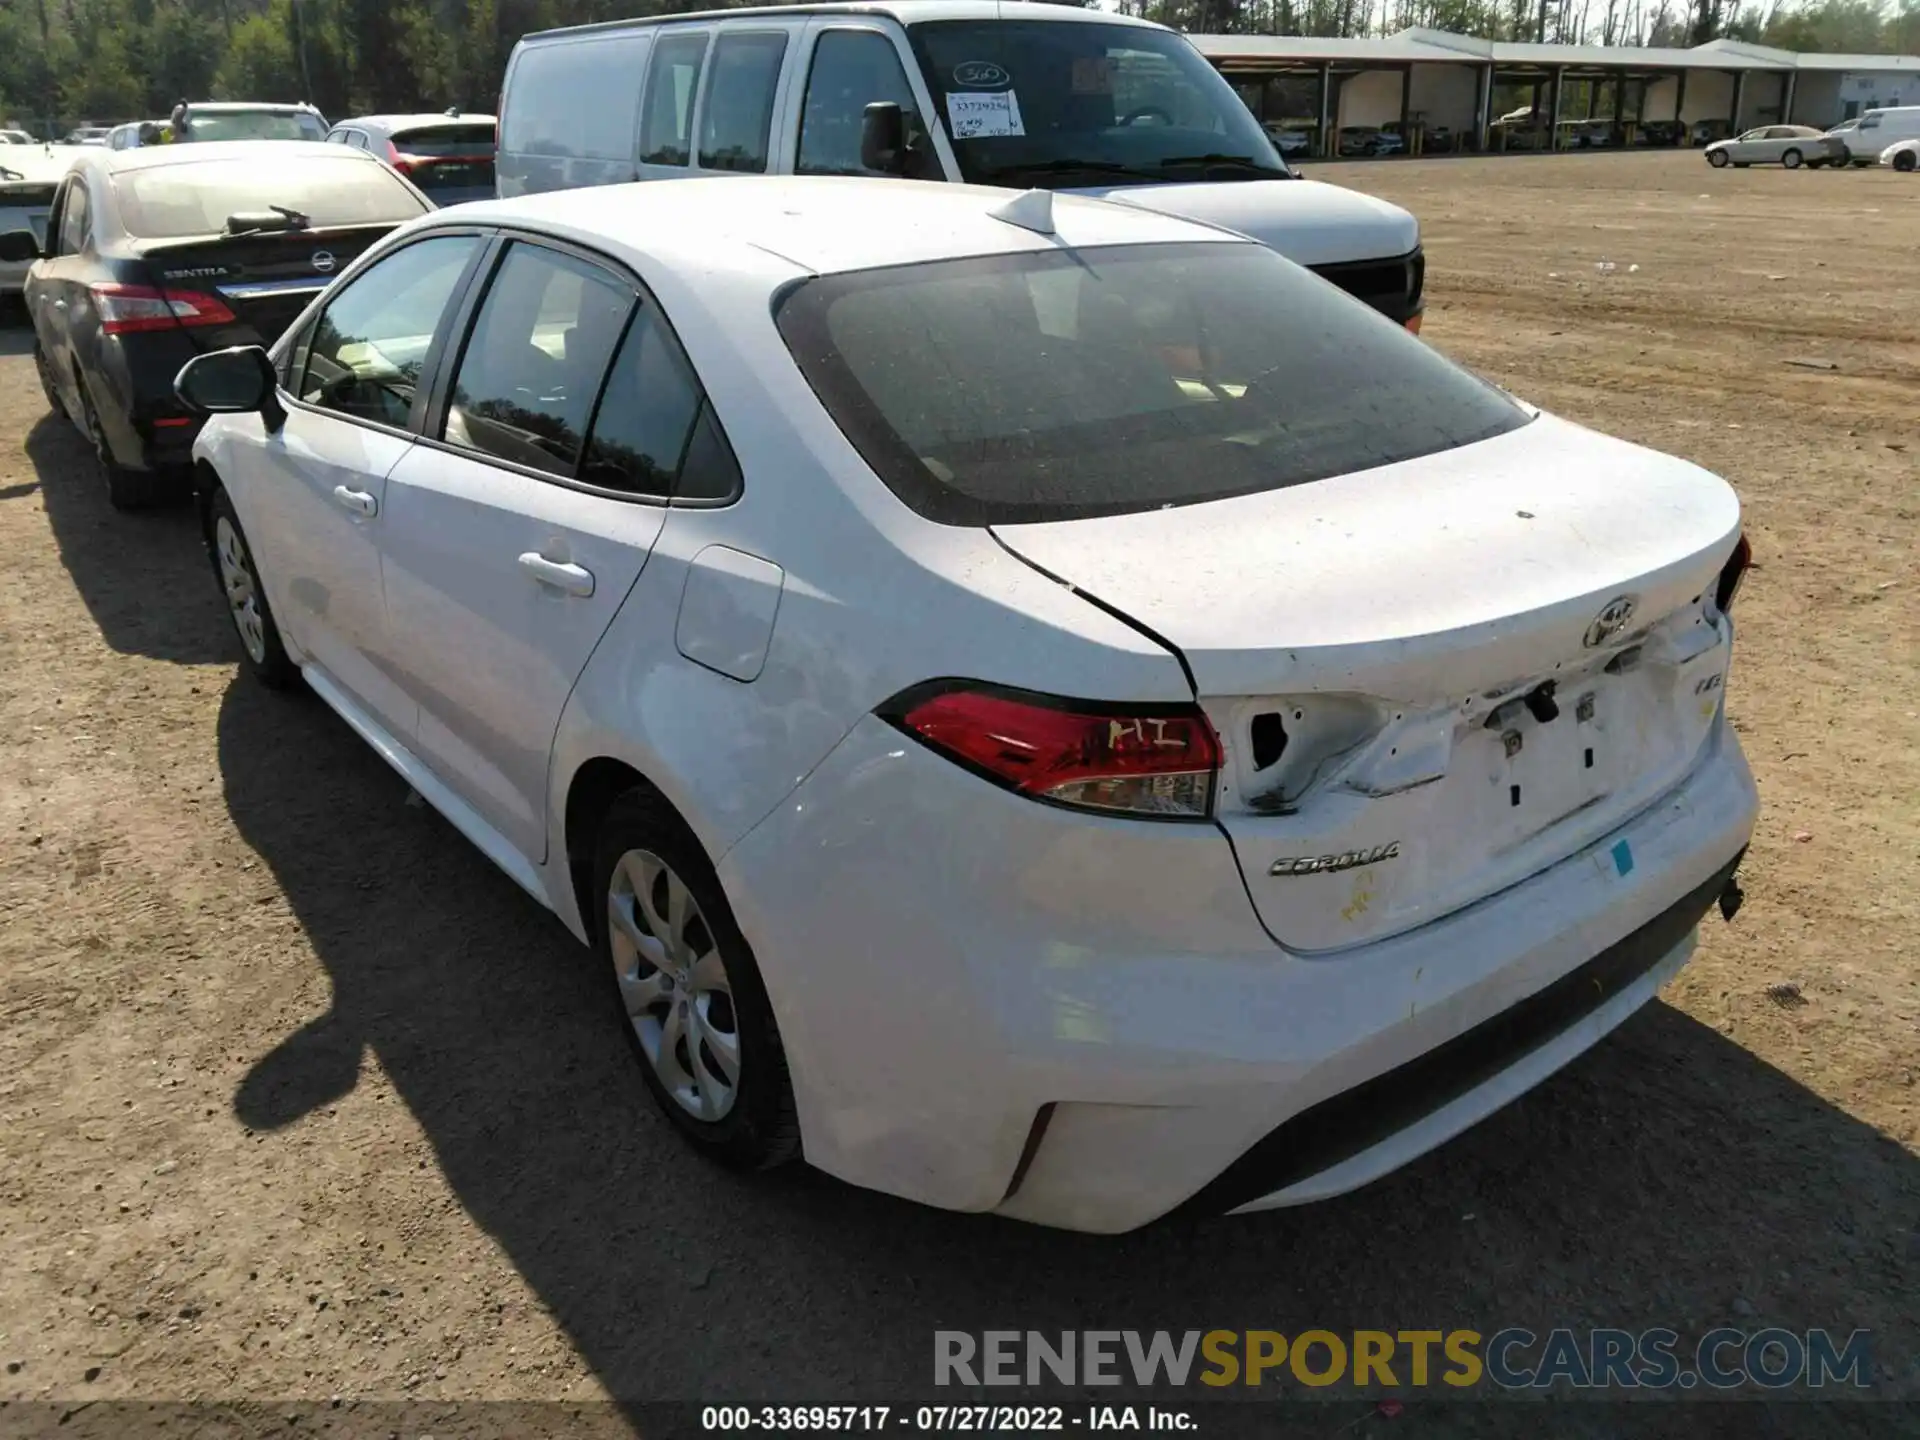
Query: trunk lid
<point>265,280</point>
<point>1436,678</point>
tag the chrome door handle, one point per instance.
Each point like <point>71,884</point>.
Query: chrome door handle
<point>358,501</point>
<point>574,579</point>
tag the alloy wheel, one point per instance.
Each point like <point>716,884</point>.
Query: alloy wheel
<point>243,590</point>
<point>674,985</point>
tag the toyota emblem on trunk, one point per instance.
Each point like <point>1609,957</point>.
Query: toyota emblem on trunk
<point>1611,620</point>
<point>323,260</point>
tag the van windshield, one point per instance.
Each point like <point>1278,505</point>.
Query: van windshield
<point>1061,104</point>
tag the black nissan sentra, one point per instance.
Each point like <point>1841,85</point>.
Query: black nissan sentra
<point>155,254</point>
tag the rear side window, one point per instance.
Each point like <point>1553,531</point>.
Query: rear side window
<point>73,220</point>
<point>575,100</point>
<point>1053,385</point>
<point>535,359</point>
<point>655,434</point>
<point>672,82</point>
<point>195,197</point>
<point>739,108</point>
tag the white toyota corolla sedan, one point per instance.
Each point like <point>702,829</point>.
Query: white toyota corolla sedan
<point>1038,706</point>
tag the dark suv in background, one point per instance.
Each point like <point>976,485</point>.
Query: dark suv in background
<point>448,156</point>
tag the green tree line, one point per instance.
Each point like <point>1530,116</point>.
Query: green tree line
<point>132,59</point>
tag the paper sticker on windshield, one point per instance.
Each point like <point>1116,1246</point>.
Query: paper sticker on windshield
<point>980,75</point>
<point>1092,75</point>
<point>973,117</point>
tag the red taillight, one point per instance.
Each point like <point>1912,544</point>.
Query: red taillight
<point>1153,760</point>
<point>1733,573</point>
<point>129,309</point>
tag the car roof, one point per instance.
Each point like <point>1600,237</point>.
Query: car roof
<point>417,122</point>
<point>286,107</point>
<point>153,157</point>
<point>907,12</point>
<point>821,224</point>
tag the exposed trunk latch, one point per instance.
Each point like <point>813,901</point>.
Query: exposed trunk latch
<point>1538,702</point>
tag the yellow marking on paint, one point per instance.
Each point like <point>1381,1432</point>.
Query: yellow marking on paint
<point>1355,908</point>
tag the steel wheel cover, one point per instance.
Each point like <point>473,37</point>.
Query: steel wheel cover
<point>674,985</point>
<point>243,592</point>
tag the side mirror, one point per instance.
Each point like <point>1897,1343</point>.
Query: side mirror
<point>239,381</point>
<point>19,247</point>
<point>883,138</point>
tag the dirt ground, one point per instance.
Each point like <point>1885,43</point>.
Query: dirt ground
<point>300,1099</point>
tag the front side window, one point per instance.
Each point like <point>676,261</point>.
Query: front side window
<point>366,354</point>
<point>1053,385</point>
<point>533,365</point>
<point>851,70</point>
<point>1066,103</point>
<point>673,80</point>
<point>739,109</point>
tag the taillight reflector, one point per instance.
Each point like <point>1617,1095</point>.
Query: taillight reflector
<point>1733,573</point>
<point>130,309</point>
<point>1146,760</point>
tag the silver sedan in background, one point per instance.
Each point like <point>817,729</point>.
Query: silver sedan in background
<point>1788,145</point>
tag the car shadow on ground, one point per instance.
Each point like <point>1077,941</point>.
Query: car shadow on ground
<point>143,575</point>
<point>1667,1178</point>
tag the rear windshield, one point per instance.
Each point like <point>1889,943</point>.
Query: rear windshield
<point>459,140</point>
<point>254,125</point>
<point>196,196</point>
<point>1057,385</point>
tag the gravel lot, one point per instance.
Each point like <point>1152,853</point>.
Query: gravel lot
<point>301,1098</point>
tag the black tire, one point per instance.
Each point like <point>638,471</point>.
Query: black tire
<point>1905,162</point>
<point>1791,159</point>
<point>126,489</point>
<point>47,387</point>
<point>760,1129</point>
<point>266,660</point>
<point>1717,159</point>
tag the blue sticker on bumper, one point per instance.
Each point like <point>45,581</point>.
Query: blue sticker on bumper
<point>1623,858</point>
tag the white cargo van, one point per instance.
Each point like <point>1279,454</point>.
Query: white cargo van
<point>1880,128</point>
<point>991,92</point>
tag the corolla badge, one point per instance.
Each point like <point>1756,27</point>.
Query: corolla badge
<point>323,261</point>
<point>980,75</point>
<point>1327,864</point>
<point>1611,620</point>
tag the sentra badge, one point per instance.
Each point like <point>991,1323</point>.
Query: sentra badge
<point>1327,864</point>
